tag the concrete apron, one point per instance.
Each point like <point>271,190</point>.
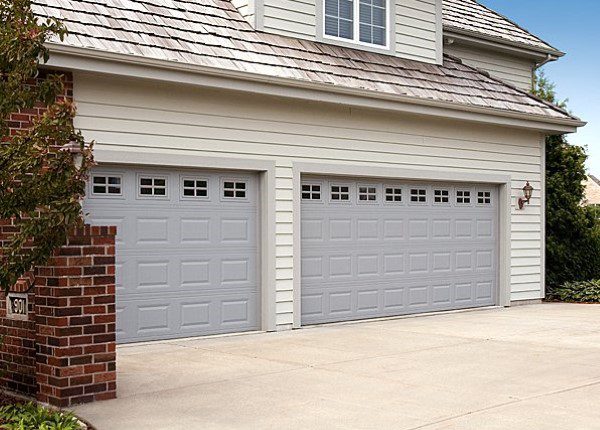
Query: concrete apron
<point>528,367</point>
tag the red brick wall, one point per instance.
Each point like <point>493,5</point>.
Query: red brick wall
<point>75,320</point>
<point>18,350</point>
<point>65,352</point>
<point>24,118</point>
<point>19,336</point>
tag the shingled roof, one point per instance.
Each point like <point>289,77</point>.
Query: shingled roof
<point>469,16</point>
<point>212,34</point>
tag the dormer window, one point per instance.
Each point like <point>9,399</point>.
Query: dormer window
<point>360,21</point>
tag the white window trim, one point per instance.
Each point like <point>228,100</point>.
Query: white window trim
<point>472,197</point>
<point>183,178</point>
<point>311,200</point>
<point>138,187</point>
<point>393,202</point>
<point>93,195</point>
<point>340,201</point>
<point>234,179</point>
<point>368,202</point>
<point>428,197</point>
<point>356,27</point>
<point>449,196</point>
<point>490,204</point>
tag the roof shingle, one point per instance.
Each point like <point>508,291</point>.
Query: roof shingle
<point>212,33</point>
<point>470,16</point>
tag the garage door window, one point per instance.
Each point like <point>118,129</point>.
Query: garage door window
<point>463,197</point>
<point>367,194</point>
<point>311,192</point>
<point>153,186</point>
<point>234,189</point>
<point>441,196</point>
<point>340,193</point>
<point>194,188</point>
<point>106,185</point>
<point>393,195</point>
<point>418,195</point>
<point>484,198</point>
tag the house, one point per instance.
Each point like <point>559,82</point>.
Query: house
<point>274,164</point>
<point>592,191</point>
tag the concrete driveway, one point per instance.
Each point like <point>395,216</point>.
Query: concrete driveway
<point>531,367</point>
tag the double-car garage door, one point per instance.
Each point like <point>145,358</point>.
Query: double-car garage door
<point>188,248</point>
<point>382,248</point>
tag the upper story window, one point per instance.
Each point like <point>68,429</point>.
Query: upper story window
<point>363,21</point>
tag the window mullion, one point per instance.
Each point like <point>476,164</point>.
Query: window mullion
<point>356,19</point>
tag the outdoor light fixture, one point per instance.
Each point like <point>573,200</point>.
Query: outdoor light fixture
<point>74,149</point>
<point>527,192</point>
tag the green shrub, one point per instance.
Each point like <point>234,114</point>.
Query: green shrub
<point>30,416</point>
<point>572,231</point>
<point>580,292</point>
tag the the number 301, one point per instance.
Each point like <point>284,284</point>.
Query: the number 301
<point>19,306</point>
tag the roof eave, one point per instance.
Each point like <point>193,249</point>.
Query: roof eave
<point>95,61</point>
<point>517,48</point>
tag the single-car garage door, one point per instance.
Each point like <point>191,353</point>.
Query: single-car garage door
<point>384,248</point>
<point>187,249</point>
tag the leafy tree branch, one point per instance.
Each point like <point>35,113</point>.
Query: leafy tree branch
<point>40,186</point>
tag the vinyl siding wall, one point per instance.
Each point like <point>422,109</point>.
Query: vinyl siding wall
<point>417,29</point>
<point>161,118</point>
<point>511,69</point>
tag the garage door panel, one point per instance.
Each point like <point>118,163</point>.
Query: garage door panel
<point>179,272</point>
<point>187,261</point>
<point>359,266</point>
<point>148,316</point>
<point>380,258</point>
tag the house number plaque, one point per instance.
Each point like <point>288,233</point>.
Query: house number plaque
<point>16,306</point>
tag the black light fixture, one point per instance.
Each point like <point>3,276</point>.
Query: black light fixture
<point>527,192</point>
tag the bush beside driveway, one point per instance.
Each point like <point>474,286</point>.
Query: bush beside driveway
<point>530,367</point>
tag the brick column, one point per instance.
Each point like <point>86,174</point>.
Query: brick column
<point>17,355</point>
<point>75,320</point>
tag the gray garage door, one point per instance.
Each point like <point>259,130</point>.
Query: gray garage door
<point>187,249</point>
<point>383,248</point>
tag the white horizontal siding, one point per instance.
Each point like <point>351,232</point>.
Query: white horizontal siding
<point>296,18</point>
<point>511,69</point>
<point>417,25</point>
<point>418,30</point>
<point>149,117</point>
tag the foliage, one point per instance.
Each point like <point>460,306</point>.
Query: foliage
<point>546,90</point>
<point>40,187</point>
<point>572,231</point>
<point>579,292</point>
<point>30,416</point>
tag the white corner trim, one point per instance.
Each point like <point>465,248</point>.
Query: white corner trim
<point>439,29</point>
<point>79,59</point>
<point>543,204</point>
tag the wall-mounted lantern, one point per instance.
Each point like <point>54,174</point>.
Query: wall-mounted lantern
<point>76,152</point>
<point>527,192</point>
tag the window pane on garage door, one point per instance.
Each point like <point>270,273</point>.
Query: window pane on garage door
<point>187,249</point>
<point>384,248</point>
